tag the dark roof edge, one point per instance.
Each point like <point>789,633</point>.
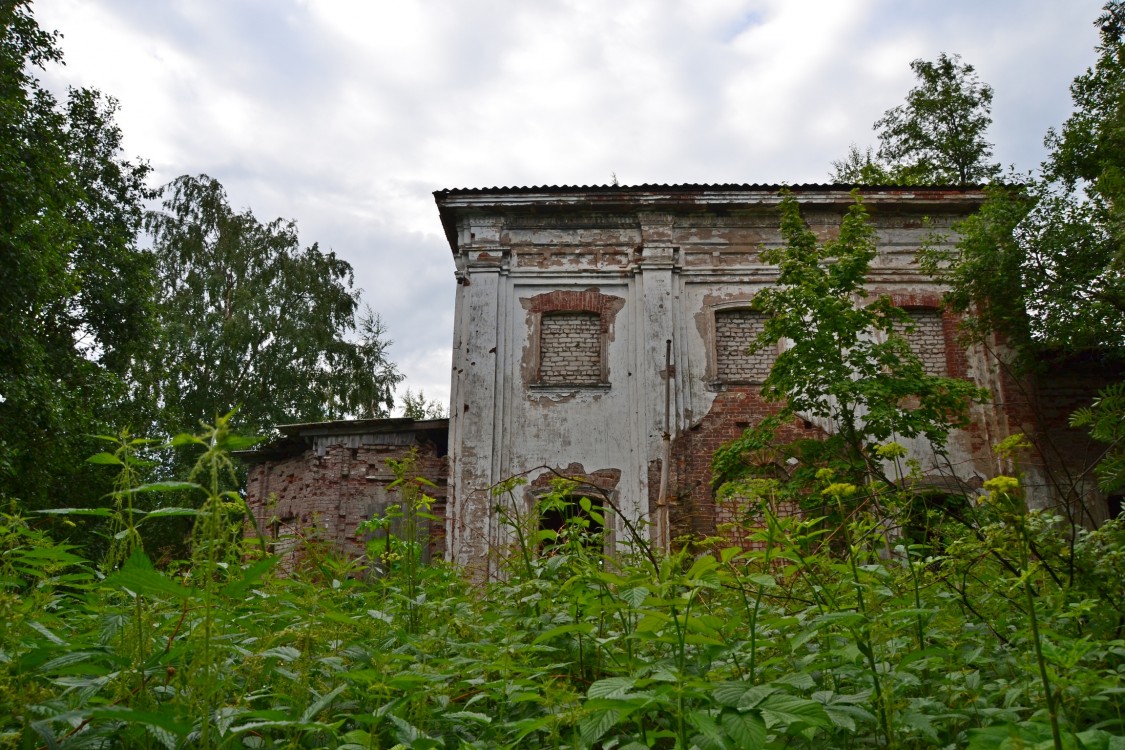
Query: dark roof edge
<point>294,437</point>
<point>450,201</point>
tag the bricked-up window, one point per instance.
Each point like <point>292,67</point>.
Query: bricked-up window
<point>735,331</point>
<point>927,340</point>
<point>570,348</point>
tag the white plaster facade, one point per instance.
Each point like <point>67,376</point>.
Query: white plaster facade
<point>665,258</point>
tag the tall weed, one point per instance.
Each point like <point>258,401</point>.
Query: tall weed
<point>823,630</point>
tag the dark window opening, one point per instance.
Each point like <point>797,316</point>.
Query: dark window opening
<point>1113,506</point>
<point>569,519</point>
<point>928,516</point>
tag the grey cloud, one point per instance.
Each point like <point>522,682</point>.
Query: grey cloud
<point>346,116</point>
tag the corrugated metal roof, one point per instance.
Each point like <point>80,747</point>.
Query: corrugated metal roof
<point>698,187</point>
<point>295,438</point>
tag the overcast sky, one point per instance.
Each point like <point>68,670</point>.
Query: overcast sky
<point>347,114</point>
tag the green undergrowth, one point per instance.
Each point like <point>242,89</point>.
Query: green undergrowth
<point>1005,635</point>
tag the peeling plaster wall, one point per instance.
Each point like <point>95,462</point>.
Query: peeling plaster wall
<point>665,261</point>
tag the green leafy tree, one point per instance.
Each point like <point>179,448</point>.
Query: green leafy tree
<point>936,137</point>
<point>1087,163</point>
<point>847,360</point>
<point>861,168</point>
<point>74,295</point>
<point>415,406</point>
<point>1043,263</point>
<point>250,319</point>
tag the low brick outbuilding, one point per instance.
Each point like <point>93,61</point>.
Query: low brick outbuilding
<point>319,481</point>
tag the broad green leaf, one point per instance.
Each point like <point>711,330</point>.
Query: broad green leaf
<point>166,486</point>
<point>321,703</point>
<point>1097,739</point>
<point>43,631</point>
<point>161,719</point>
<point>784,710</point>
<point>611,687</point>
<point>471,716</point>
<point>251,575</point>
<point>69,659</point>
<point>405,732</point>
<point>652,622</point>
<point>711,734</point>
<point>699,639</point>
<point>171,512</point>
<point>840,718</point>
<point>741,695</point>
<point>746,729</point>
<point>139,576</point>
<point>285,653</point>
<point>726,554</point>
<point>584,628</point>
<point>51,554</point>
<point>97,512</point>
<point>634,596</point>
<point>381,616</point>
<point>921,723</point>
<point>703,566</point>
<point>799,680</point>
<point>240,442</point>
<point>105,459</point>
<point>592,727</point>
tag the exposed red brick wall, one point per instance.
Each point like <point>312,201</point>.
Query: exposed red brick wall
<point>694,509</point>
<point>1066,454</point>
<point>326,497</point>
<point>566,300</point>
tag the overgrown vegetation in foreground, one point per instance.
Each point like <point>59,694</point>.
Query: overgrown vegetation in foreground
<point>816,638</point>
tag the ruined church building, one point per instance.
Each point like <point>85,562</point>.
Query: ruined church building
<point>591,322</point>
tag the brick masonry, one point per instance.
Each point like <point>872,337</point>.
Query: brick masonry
<point>735,331</point>
<point>321,493</point>
<point>927,340</point>
<point>634,268</point>
<point>694,509</point>
<point>570,349</point>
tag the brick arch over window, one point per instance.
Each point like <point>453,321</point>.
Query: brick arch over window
<point>568,337</point>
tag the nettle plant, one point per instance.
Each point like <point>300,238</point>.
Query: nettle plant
<point>810,637</point>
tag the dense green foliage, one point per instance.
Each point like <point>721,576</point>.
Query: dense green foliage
<point>249,319</point>
<point>75,289</point>
<point>1043,263</point>
<point>814,638</point>
<point>846,360</point>
<point>937,137</point>
<point>883,615</point>
<point>97,334</point>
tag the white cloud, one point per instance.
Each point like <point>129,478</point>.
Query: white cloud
<point>347,114</point>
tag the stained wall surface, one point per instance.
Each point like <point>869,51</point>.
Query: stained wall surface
<point>666,271</point>
<point>321,481</point>
<point>600,334</point>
